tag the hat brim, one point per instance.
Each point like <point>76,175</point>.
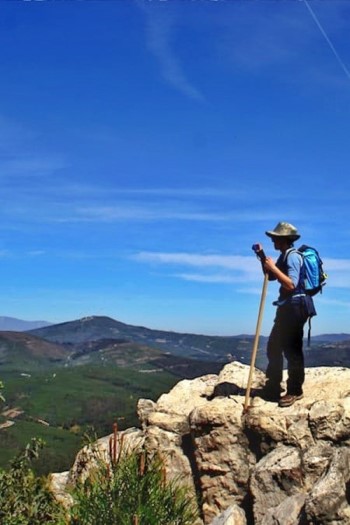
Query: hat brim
<point>292,237</point>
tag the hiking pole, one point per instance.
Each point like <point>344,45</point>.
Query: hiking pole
<point>261,255</point>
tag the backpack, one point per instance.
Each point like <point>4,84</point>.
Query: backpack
<point>313,274</point>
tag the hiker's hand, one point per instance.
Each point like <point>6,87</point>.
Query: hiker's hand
<point>269,264</point>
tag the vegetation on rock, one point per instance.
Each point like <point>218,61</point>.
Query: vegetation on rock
<point>131,489</point>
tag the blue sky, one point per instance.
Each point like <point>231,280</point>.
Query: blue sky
<point>146,145</point>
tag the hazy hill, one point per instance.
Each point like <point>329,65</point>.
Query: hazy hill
<point>331,337</point>
<point>25,352</point>
<point>123,353</point>
<point>18,325</point>
<point>20,349</point>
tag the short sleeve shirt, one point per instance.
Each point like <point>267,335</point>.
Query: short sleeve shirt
<point>290,264</point>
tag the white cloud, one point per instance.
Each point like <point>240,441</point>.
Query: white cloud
<point>338,272</point>
<point>334,302</point>
<point>17,144</point>
<point>211,278</point>
<point>240,268</point>
<point>147,213</point>
<point>159,32</point>
<point>337,264</point>
<point>236,262</point>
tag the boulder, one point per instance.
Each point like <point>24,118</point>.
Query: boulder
<point>266,465</point>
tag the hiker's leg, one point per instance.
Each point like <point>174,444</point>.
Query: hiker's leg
<point>275,357</point>
<point>293,348</point>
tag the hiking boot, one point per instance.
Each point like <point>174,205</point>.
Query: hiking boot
<point>270,394</point>
<point>289,400</point>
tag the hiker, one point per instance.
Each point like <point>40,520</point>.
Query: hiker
<point>294,307</point>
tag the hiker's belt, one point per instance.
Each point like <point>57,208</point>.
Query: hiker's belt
<point>284,301</point>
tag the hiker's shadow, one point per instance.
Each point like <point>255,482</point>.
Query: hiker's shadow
<point>227,389</point>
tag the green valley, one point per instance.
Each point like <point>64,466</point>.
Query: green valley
<point>76,378</point>
<point>60,406</point>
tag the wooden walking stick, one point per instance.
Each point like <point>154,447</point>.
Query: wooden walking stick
<point>260,254</point>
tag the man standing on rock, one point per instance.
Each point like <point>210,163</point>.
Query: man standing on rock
<point>294,307</point>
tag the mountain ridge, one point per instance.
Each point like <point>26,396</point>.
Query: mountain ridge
<point>14,324</point>
<point>191,346</point>
<point>116,323</point>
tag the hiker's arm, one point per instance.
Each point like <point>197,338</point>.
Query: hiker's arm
<point>261,256</point>
<point>274,273</point>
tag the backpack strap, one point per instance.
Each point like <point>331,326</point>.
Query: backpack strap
<point>309,332</point>
<point>300,285</point>
<point>290,250</point>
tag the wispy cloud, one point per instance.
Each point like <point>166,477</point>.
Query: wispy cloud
<point>160,27</point>
<point>133,212</point>
<point>30,166</point>
<point>335,302</point>
<point>211,278</point>
<point>237,268</point>
<point>60,201</point>
<point>337,264</point>
<point>18,143</point>
<point>338,272</point>
<point>191,259</point>
<point>188,192</point>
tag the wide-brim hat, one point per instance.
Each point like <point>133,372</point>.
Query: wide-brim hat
<point>284,229</point>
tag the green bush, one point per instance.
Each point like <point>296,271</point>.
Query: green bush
<point>132,490</point>
<point>24,497</point>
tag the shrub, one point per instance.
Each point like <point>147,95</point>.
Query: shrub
<point>131,490</point>
<point>24,497</point>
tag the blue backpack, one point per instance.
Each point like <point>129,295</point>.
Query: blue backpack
<point>313,275</point>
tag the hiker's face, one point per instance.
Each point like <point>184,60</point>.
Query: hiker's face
<point>280,243</point>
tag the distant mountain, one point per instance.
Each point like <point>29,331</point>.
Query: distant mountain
<point>18,325</point>
<point>331,337</point>
<point>192,346</point>
<point>217,349</point>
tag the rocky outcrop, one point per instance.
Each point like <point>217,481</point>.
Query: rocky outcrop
<point>265,465</point>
